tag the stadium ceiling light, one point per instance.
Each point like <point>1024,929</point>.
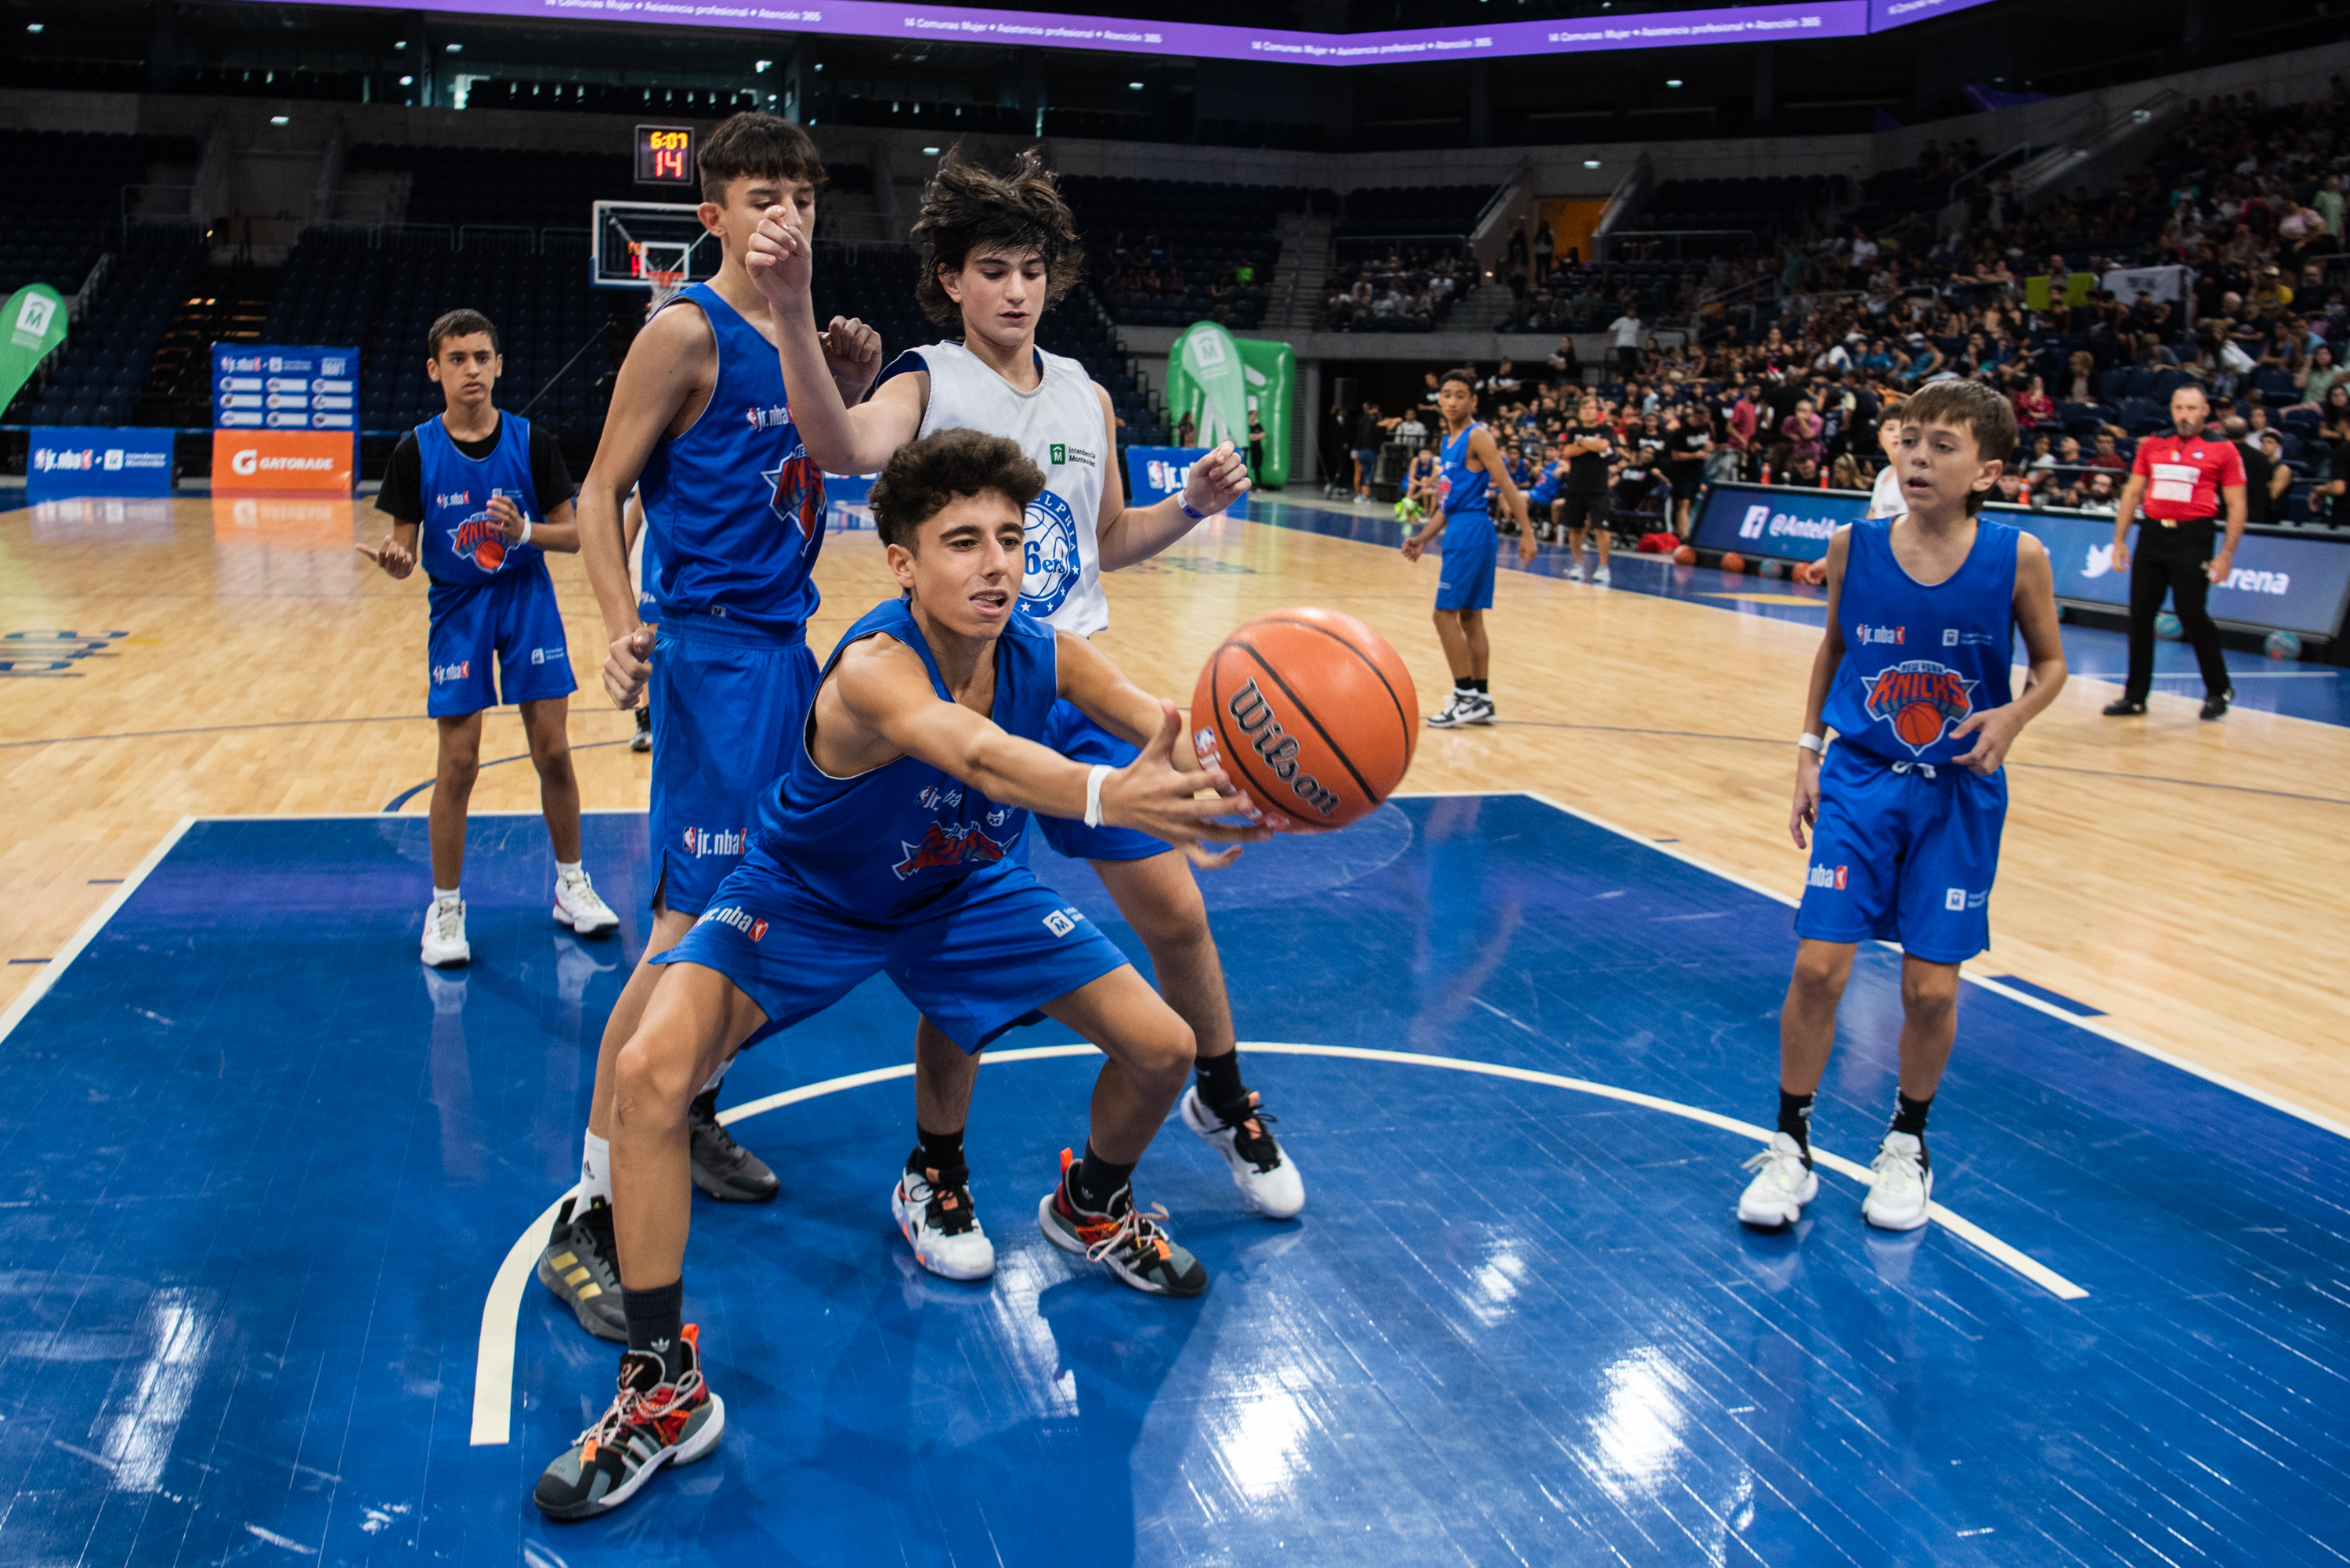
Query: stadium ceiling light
<point>1672,81</point>
<point>280,119</point>
<point>34,27</point>
<point>1136,85</point>
<point>1591,164</point>
<point>399,44</point>
<point>456,48</point>
<point>408,81</point>
<point>930,152</point>
<point>819,64</point>
<point>763,64</point>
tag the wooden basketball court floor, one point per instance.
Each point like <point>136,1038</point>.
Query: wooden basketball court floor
<point>2142,1157</point>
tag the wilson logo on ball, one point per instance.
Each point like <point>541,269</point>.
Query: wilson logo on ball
<point>1310,714</point>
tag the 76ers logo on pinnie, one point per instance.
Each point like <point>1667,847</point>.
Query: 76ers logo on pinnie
<point>1920,699</point>
<point>1052,564</point>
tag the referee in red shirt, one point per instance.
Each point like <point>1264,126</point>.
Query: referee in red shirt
<point>2183,478</point>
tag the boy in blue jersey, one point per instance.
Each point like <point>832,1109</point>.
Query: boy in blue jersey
<point>892,845</point>
<point>467,490</point>
<point>735,513</point>
<point>1471,463</point>
<point>1907,810</point>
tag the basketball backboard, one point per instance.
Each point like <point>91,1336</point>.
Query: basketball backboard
<point>636,241</point>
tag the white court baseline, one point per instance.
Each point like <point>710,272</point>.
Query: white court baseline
<point>493,1365</point>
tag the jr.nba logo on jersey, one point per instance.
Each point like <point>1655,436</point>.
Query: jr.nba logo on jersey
<point>1920,699</point>
<point>798,495</point>
<point>1053,564</point>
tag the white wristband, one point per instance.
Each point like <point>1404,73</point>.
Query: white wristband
<point>1094,777</point>
<point>1812,744</point>
<point>526,532</point>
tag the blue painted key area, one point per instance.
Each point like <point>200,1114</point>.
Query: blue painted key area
<point>262,1170</point>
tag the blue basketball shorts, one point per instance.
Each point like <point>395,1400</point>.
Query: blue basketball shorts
<point>986,962</point>
<point>1470,545</point>
<point>728,704</point>
<point>1903,856</point>
<point>1069,731</point>
<point>512,617</point>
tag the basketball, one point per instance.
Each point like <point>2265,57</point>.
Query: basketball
<point>1772,569</point>
<point>1733,562</point>
<point>1685,557</point>
<point>2166,627</point>
<point>1311,713</point>
<point>1920,724</point>
<point>2282,645</point>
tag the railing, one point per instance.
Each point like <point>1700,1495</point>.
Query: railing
<point>187,207</point>
<point>512,238</point>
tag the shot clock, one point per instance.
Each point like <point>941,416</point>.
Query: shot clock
<point>665,155</point>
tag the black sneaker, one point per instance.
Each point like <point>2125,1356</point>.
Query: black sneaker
<point>642,741</point>
<point>722,1168</point>
<point>1131,1243</point>
<point>651,1423</point>
<point>577,1264</point>
<point>2216,705</point>
<point>2125,708</point>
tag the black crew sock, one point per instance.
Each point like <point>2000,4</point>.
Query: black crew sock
<point>1795,1119</point>
<point>938,1150</point>
<point>1220,1086</point>
<point>1909,1116</point>
<point>1094,1182</point>
<point>657,1324</point>
<point>705,1105</point>
<point>1462,683</point>
<point>1478,686</point>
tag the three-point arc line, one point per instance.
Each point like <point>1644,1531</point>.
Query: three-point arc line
<point>493,1365</point>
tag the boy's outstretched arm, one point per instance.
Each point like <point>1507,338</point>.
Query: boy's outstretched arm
<point>819,366</point>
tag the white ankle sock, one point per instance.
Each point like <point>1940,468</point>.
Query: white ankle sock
<point>445,894</point>
<point>567,869</point>
<point>595,1171</point>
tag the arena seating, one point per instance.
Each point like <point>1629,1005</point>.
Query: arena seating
<point>63,193</point>
<point>97,377</point>
<point>1199,235</point>
<point>1386,212</point>
<point>876,285</point>
<point>1754,203</point>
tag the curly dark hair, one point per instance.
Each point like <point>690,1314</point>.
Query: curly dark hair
<point>755,144</point>
<point>924,475</point>
<point>967,208</point>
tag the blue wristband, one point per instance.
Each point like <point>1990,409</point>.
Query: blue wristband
<point>1187,509</point>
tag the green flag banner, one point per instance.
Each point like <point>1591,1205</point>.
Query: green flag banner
<point>35,317</point>
<point>1221,381</point>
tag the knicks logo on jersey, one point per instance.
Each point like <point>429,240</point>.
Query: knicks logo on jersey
<point>1053,559</point>
<point>480,539</point>
<point>797,496</point>
<point>1920,699</point>
<point>943,845</point>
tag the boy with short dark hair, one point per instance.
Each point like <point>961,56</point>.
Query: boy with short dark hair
<point>467,491</point>
<point>1906,809</point>
<point>891,845</point>
<point>1470,465</point>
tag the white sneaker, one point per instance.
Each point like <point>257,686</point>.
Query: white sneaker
<point>1575,572</point>
<point>934,1214</point>
<point>1460,708</point>
<point>1599,576</point>
<point>1481,712</point>
<point>576,905</point>
<point>1902,1184</point>
<point>1266,1177</point>
<point>1783,1184</point>
<point>444,933</point>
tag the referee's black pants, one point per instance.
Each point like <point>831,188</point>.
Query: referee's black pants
<point>2175,562</point>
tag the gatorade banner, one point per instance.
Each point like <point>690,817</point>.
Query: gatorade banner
<point>1220,380</point>
<point>280,463</point>
<point>35,319</point>
<point>68,461</point>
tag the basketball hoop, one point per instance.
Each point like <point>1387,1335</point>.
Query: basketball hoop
<point>665,284</point>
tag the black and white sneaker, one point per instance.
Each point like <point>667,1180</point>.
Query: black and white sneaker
<point>653,1421</point>
<point>1266,1177</point>
<point>1134,1246</point>
<point>579,1264</point>
<point>722,1168</point>
<point>1461,709</point>
<point>642,741</point>
<point>933,1210</point>
<point>1483,711</point>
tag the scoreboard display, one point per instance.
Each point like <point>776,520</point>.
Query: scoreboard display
<point>665,155</point>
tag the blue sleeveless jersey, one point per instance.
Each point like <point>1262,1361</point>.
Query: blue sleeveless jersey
<point>907,837</point>
<point>735,505</point>
<point>464,547</point>
<point>1461,487</point>
<point>1917,660</point>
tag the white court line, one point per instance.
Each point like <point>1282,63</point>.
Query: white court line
<point>2094,1026</point>
<point>39,986</point>
<point>501,1312</point>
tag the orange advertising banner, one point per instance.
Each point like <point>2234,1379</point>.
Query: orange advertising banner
<point>279,463</point>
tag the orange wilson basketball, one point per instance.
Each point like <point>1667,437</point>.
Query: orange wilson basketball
<point>1733,562</point>
<point>1311,714</point>
<point>1685,557</point>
